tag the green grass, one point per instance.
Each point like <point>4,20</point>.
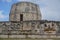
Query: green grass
<point>28,39</point>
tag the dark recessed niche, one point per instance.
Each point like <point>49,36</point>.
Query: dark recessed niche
<point>21,17</point>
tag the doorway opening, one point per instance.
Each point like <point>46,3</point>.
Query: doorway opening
<point>21,17</point>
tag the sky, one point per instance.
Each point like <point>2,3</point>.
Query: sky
<point>50,9</point>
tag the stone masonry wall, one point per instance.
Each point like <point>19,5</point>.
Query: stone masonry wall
<point>12,29</point>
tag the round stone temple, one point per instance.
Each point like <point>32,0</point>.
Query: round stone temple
<point>25,11</point>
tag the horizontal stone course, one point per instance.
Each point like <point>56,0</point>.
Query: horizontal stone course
<point>17,36</point>
<point>3,36</point>
<point>27,36</point>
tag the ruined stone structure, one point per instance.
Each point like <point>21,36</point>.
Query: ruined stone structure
<point>25,21</point>
<point>25,11</point>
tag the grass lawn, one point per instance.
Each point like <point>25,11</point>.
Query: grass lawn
<point>28,39</point>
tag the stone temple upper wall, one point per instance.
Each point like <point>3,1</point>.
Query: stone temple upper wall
<point>24,11</point>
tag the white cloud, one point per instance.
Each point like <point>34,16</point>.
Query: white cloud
<point>2,16</point>
<point>7,0</point>
<point>52,10</point>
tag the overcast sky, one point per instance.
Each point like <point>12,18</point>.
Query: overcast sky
<point>50,9</point>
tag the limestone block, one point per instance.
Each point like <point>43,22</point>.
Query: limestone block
<point>3,36</point>
<point>17,36</point>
